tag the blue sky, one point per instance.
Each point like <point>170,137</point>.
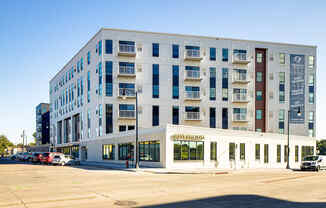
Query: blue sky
<point>38,37</point>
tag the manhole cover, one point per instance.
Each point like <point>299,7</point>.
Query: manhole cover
<point>125,203</point>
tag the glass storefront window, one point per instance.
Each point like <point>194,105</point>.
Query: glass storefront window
<point>108,152</point>
<point>188,150</point>
<point>126,151</point>
<point>149,151</point>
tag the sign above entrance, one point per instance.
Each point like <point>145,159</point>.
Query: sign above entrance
<point>185,137</point>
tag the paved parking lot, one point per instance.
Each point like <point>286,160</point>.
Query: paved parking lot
<point>33,186</point>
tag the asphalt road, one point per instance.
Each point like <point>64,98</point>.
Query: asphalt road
<point>35,186</point>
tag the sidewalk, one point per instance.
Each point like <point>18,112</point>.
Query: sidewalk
<point>112,166</point>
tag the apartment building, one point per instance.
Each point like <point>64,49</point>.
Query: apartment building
<point>181,80</point>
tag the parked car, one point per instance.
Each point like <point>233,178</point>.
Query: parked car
<point>312,162</point>
<point>36,157</point>
<point>27,156</point>
<point>47,157</point>
<point>65,160</point>
<point>20,156</point>
<point>14,156</point>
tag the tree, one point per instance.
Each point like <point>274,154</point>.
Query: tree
<point>4,144</point>
<point>321,147</point>
<point>34,136</point>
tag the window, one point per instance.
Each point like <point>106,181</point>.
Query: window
<point>311,62</point>
<point>212,83</point>
<point>108,46</point>
<point>88,57</point>
<point>278,159</point>
<point>89,124</point>
<point>225,54</point>
<point>156,50</point>
<point>212,117</point>
<point>281,118</point>
<point>100,47</point>
<point>311,124</point>
<point>266,154</point>
<point>188,150</point>
<point>259,130</point>
<point>175,82</point>
<point>259,114</point>
<point>225,80</point>
<point>155,116</point>
<point>175,51</point>
<point>282,58</point>
<point>306,150</point>
<point>225,118</point>
<point>149,151</point>
<point>175,115</point>
<point>130,128</point>
<point>239,74</point>
<point>242,151</point>
<point>296,153</point>
<point>311,98</point>
<point>213,150</point>
<point>100,113</point>
<point>239,114</point>
<point>285,153</point>
<point>212,54</point>
<point>259,57</point>
<point>231,151</point>
<point>108,78</point>
<point>100,88</point>
<point>88,87</point>
<point>122,128</point>
<point>259,76</point>
<point>282,87</point>
<point>108,152</point>
<point>259,95</point>
<point>156,81</point>
<point>257,151</point>
<point>109,118</point>
<point>126,151</point>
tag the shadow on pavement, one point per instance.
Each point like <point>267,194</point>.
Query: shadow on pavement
<point>243,201</point>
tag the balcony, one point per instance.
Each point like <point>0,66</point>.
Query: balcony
<point>240,98</point>
<point>127,50</point>
<point>239,117</point>
<point>240,58</point>
<point>192,116</point>
<point>126,71</point>
<point>193,55</point>
<point>192,75</point>
<point>238,78</point>
<point>192,95</point>
<point>127,114</point>
<point>127,93</point>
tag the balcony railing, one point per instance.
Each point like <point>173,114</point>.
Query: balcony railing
<point>240,58</point>
<point>127,114</point>
<point>127,50</point>
<point>193,54</point>
<point>240,117</point>
<point>127,92</point>
<point>239,97</point>
<point>192,116</point>
<point>192,95</point>
<point>192,74</point>
<point>126,71</point>
<point>240,78</point>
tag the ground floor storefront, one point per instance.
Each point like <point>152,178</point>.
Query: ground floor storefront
<point>176,146</point>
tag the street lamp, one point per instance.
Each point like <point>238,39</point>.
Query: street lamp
<point>124,96</point>
<point>288,146</point>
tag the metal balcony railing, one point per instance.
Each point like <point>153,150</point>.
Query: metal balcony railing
<point>239,117</point>
<point>240,97</point>
<point>126,70</point>
<point>128,92</point>
<point>125,48</point>
<point>192,94</point>
<point>193,53</point>
<point>192,115</point>
<point>240,77</point>
<point>127,113</point>
<point>192,74</point>
<point>240,58</point>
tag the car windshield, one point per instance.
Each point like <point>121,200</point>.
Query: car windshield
<point>57,156</point>
<point>310,158</point>
<point>45,154</point>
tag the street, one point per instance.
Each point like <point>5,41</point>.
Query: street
<point>32,186</point>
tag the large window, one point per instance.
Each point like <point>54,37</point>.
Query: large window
<point>155,116</point>
<point>156,81</point>
<point>266,153</point>
<point>225,118</point>
<point>282,87</point>
<point>232,151</point>
<point>108,79</point>
<point>108,151</point>
<point>149,151</point>
<point>281,118</point>
<point>188,150</point>
<point>175,82</point>
<point>212,117</point>
<point>126,151</point>
<point>225,83</point>
<point>225,55</point>
<point>212,83</point>
<point>156,50</point>
<point>257,151</point>
<point>108,46</point>
<point>278,159</point>
<point>242,151</point>
<point>175,51</point>
<point>175,115</point>
<point>282,58</point>
<point>109,118</point>
<point>306,150</point>
<point>88,87</point>
<point>212,54</point>
<point>213,150</point>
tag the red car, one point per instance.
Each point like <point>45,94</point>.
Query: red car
<point>36,158</point>
<point>47,157</point>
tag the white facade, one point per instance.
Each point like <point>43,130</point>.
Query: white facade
<point>143,60</point>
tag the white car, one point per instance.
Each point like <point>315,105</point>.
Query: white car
<point>64,160</point>
<point>312,162</point>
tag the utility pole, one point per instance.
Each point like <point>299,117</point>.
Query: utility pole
<point>23,137</point>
